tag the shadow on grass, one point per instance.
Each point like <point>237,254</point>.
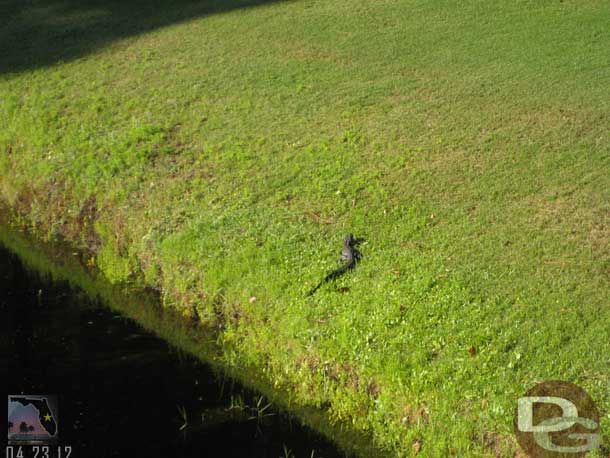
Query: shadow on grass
<point>37,33</point>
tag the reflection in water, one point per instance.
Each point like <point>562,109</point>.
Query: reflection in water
<point>124,392</point>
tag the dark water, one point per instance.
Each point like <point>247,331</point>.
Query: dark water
<point>120,389</point>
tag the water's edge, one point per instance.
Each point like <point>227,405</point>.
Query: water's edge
<point>59,261</point>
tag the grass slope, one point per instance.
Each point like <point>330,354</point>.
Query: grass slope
<point>223,156</point>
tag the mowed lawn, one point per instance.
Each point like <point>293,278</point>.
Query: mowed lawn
<point>221,151</point>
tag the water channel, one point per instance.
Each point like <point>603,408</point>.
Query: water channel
<point>124,392</point>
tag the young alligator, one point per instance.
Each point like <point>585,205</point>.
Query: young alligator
<point>349,255</point>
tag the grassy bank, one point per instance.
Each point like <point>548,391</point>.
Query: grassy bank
<point>59,263</point>
<point>219,152</point>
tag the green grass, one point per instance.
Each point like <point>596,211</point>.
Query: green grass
<point>221,154</point>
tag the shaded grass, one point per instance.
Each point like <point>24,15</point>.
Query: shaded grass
<point>226,158</point>
<point>37,33</point>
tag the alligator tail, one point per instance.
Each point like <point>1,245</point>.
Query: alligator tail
<point>331,276</point>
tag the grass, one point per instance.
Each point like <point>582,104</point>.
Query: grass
<point>183,417</point>
<point>221,154</point>
<point>58,262</point>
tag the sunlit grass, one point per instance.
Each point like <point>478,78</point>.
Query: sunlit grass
<point>222,161</point>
